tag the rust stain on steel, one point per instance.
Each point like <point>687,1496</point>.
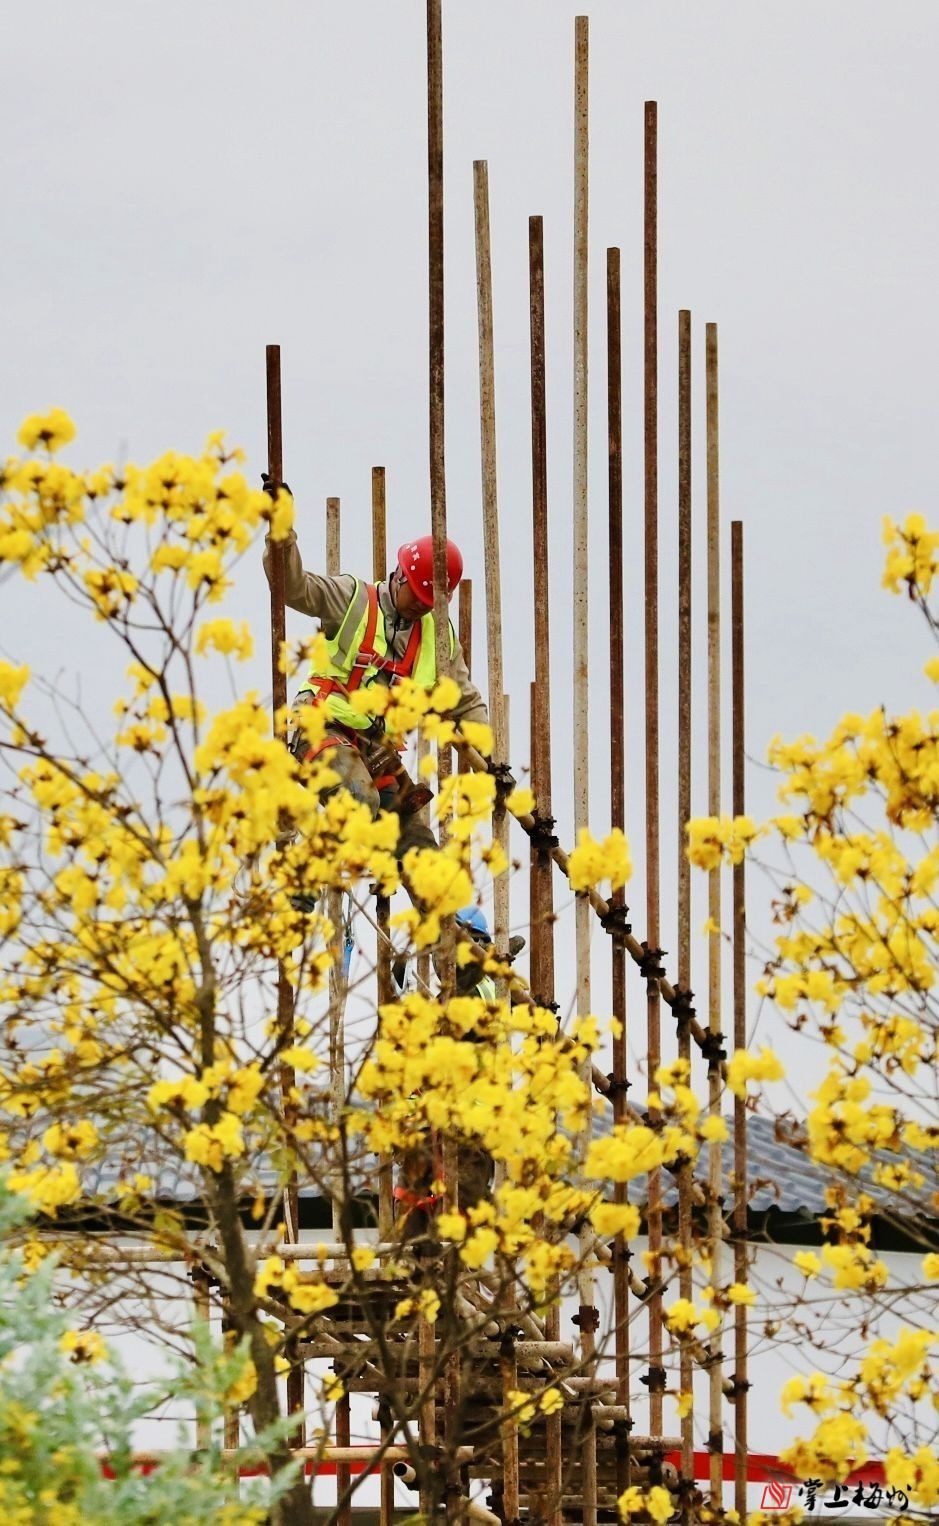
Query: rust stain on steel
<point>715,1157</point>
<point>379,527</point>
<point>617,801</point>
<point>651,569</point>
<point>685,1178</point>
<point>741,1268</point>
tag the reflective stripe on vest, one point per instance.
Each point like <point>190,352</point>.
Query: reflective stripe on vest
<point>358,654</point>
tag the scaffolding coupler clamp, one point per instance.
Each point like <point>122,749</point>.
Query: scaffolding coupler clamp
<point>654,1380</point>
<point>736,1388</point>
<point>650,965</point>
<point>505,779</point>
<point>618,1086</point>
<point>614,922</point>
<point>683,1009</point>
<point>547,1006</point>
<point>712,1047</point>
<point>542,836</point>
<point>587,1318</point>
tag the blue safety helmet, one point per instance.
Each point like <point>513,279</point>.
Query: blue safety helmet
<point>474,920</point>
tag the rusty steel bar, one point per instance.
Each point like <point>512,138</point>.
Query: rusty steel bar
<point>379,525</point>
<point>337,982</point>
<point>534,911</point>
<point>580,510</point>
<point>202,1310</point>
<point>738,792</point>
<point>435,226</point>
<point>617,810</point>
<point>586,1278</point>
<point>466,621</point>
<point>685,1177</point>
<point>343,1469</point>
<point>543,908</point>
<point>715,1154</point>
<point>542,912</point>
<point>382,903</point>
<point>438,516</point>
<point>656,1373</point>
<point>490,503</point>
<point>285,1007</point>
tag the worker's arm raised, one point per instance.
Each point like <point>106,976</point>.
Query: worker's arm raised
<point>309,593</point>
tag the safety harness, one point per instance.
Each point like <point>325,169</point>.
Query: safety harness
<point>321,686</point>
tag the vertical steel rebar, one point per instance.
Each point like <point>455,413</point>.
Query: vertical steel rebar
<point>438,489</point>
<point>738,793</point>
<point>202,1312</point>
<point>466,621</point>
<point>337,1063</point>
<point>542,909</point>
<point>285,1011</point>
<point>587,1316</point>
<point>337,983</point>
<point>715,1154</point>
<point>438,516</point>
<point>656,1375</point>
<point>617,814</point>
<point>379,525</point>
<point>686,1175</point>
<point>490,498</point>
<point>383,964</point>
<point>580,514</point>
<point>382,903</point>
<point>343,1470</point>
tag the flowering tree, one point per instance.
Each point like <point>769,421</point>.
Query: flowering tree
<point>855,968</point>
<point>65,1400</point>
<point>148,895</point>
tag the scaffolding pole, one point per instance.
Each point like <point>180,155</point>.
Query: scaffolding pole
<point>653,968</point>
<point>541,914</point>
<point>686,1176</point>
<point>738,793</point>
<point>715,1154</point>
<point>619,1081</point>
<point>285,1000</point>
<point>587,1316</point>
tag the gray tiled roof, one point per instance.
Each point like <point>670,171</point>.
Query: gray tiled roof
<point>780,1175</point>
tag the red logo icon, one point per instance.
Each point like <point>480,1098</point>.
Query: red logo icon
<point>776,1496</point>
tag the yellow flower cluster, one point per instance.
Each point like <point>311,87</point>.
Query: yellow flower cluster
<point>743,1067</point>
<point>919,1473</point>
<point>656,1503</point>
<point>306,1295</point>
<point>83,1346</point>
<point>633,1149</point>
<point>837,1447</point>
<point>52,430</point>
<point>714,839</point>
<point>911,555</point>
<point>592,862</point>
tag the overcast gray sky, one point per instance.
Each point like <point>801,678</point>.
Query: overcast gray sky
<point>184,183</point>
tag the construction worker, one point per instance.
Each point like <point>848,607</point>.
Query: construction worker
<point>375,635</point>
<point>415,1200</point>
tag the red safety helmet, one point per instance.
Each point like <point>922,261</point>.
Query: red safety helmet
<point>416,561</point>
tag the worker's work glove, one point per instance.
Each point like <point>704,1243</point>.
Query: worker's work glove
<point>267,484</point>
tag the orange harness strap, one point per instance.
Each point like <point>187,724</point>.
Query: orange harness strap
<point>367,657</point>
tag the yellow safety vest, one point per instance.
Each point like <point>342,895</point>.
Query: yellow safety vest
<point>358,656</point>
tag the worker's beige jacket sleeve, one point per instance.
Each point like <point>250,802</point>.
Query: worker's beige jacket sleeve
<point>326,599</point>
